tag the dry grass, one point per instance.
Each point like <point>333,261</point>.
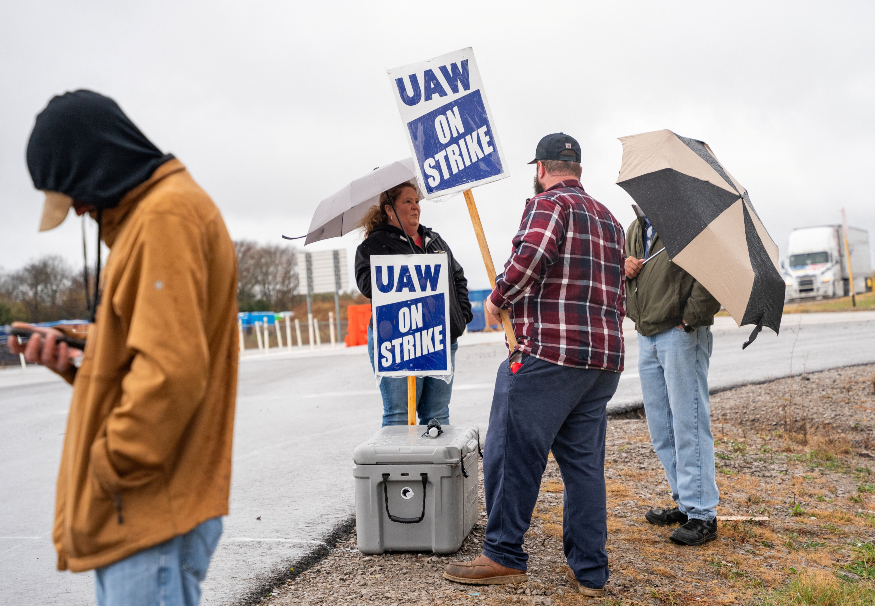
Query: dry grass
<point>819,498</point>
<point>818,495</point>
<point>865,302</point>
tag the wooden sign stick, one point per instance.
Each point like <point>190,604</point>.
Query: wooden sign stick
<point>411,400</point>
<point>487,261</point>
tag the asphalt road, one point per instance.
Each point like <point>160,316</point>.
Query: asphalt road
<point>299,416</point>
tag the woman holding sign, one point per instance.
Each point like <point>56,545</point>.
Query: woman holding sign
<point>392,228</point>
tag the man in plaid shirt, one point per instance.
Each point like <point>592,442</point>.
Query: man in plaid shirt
<point>564,285</point>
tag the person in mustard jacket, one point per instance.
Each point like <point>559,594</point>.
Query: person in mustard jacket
<point>146,464</point>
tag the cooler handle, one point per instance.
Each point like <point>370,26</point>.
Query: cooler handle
<point>405,520</point>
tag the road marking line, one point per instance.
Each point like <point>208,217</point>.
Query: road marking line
<point>463,387</point>
<point>331,394</point>
<point>255,540</point>
<point>297,440</point>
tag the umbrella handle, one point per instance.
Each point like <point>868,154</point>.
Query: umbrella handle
<point>653,255</point>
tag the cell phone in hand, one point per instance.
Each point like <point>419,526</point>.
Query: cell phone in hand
<point>20,331</point>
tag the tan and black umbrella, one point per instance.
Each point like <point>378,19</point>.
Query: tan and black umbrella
<point>707,223</point>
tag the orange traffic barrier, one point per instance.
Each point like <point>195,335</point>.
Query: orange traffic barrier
<point>359,316</point>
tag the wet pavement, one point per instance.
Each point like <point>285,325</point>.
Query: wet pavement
<point>299,416</point>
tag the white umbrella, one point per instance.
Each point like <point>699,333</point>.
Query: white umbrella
<point>341,213</point>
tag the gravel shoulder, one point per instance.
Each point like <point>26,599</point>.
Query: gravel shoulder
<point>799,451</point>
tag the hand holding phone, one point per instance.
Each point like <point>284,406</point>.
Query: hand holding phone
<point>45,346</point>
<point>27,331</point>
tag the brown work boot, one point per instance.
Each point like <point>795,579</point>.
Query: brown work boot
<point>483,571</point>
<point>587,591</point>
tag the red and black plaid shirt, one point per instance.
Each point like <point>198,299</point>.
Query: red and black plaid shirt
<point>564,284</point>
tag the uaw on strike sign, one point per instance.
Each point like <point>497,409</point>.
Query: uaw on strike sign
<point>448,123</point>
<point>411,315</point>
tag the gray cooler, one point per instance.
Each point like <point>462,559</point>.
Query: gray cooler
<point>411,493</point>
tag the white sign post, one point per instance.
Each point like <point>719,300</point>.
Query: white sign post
<point>411,321</point>
<point>452,135</point>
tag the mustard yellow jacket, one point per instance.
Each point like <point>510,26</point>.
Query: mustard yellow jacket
<point>147,452</point>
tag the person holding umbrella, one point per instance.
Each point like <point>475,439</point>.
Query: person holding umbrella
<point>698,243</point>
<point>673,314</point>
<point>392,227</point>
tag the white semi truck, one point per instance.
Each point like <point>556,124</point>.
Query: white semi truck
<point>817,266</point>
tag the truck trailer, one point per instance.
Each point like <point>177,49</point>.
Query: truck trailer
<point>817,266</point>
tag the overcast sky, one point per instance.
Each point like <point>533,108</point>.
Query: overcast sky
<point>273,105</point>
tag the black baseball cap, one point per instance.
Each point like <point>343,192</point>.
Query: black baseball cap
<point>557,147</point>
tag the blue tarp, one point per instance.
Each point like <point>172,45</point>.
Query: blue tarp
<point>249,318</point>
<point>476,297</point>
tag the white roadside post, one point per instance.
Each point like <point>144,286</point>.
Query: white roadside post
<point>451,133</point>
<point>288,333</point>
<point>23,361</point>
<point>298,332</point>
<point>308,258</point>
<point>279,333</point>
<point>316,331</point>
<point>337,286</point>
<point>331,328</point>
<point>265,326</point>
<point>257,327</point>
<point>240,334</point>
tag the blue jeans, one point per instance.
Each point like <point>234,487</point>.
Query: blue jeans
<point>673,367</point>
<point>546,407</point>
<point>432,395</point>
<point>168,574</point>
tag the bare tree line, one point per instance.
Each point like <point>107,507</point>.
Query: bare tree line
<point>44,290</point>
<point>267,276</point>
<point>49,288</point>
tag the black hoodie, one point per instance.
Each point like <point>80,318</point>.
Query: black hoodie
<point>84,146</point>
<point>386,239</point>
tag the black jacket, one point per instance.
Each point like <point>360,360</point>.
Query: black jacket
<point>389,240</point>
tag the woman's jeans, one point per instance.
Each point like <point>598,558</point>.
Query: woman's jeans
<point>169,574</point>
<point>673,367</point>
<point>432,395</point>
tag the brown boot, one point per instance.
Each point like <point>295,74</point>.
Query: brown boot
<point>483,571</point>
<point>587,591</point>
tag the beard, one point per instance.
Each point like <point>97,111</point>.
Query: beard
<point>539,189</point>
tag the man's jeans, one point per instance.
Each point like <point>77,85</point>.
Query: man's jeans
<point>432,395</point>
<point>673,367</point>
<point>546,407</point>
<point>168,574</point>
